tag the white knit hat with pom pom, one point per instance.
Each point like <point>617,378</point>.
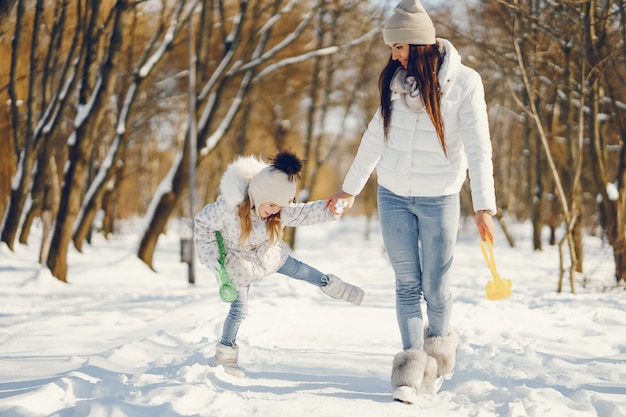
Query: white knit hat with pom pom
<point>276,183</point>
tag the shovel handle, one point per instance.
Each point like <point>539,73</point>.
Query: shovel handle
<point>490,258</point>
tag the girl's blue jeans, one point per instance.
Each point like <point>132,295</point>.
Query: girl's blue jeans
<point>419,235</point>
<point>239,308</point>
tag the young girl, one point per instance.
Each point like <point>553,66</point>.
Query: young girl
<point>254,205</point>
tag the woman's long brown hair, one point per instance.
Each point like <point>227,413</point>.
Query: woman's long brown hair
<point>424,63</point>
<point>273,226</point>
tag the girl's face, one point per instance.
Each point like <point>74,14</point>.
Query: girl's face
<point>268,208</point>
<point>400,53</point>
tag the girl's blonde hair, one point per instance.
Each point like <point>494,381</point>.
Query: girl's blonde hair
<point>273,225</point>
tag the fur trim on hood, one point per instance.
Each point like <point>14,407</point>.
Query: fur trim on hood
<point>236,178</point>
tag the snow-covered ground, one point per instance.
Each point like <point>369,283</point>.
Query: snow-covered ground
<point>121,340</point>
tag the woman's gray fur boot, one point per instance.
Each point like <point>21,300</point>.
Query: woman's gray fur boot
<point>413,373</point>
<point>340,290</point>
<point>443,349</point>
<point>227,357</point>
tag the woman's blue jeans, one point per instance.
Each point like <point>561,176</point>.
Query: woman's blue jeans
<point>239,308</point>
<point>419,235</point>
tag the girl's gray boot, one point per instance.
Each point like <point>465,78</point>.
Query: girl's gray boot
<point>413,373</point>
<point>340,290</point>
<point>227,357</point>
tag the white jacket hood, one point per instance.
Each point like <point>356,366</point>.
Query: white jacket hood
<point>236,178</point>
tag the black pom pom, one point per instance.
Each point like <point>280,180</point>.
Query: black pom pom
<point>288,163</point>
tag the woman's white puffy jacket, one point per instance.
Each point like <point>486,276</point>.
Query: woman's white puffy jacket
<point>258,257</point>
<point>412,163</point>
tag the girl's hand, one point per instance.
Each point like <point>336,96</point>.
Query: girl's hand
<point>346,199</point>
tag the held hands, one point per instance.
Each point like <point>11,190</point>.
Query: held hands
<point>339,201</point>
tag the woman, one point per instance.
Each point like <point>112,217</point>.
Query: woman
<point>430,130</point>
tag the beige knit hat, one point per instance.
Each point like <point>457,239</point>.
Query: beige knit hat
<point>410,24</point>
<point>276,183</point>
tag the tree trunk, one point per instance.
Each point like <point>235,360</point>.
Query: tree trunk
<point>5,12</point>
<point>41,184</point>
<point>165,206</point>
<point>49,206</point>
<point>30,148</point>
<point>109,204</point>
<point>7,171</point>
<point>74,182</point>
<point>17,200</point>
<point>619,254</point>
<point>88,214</point>
<point>537,200</point>
<point>25,158</point>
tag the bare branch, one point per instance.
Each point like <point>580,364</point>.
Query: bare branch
<point>312,54</point>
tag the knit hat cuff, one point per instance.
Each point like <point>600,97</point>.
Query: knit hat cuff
<point>411,36</point>
<point>271,185</point>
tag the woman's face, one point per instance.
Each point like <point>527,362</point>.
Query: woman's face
<point>267,208</point>
<point>400,53</point>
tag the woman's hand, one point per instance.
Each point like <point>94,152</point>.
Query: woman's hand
<point>345,198</point>
<point>484,222</point>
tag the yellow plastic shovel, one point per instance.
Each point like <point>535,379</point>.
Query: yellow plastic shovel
<point>498,288</point>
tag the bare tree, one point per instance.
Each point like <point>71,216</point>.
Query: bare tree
<point>54,96</point>
<point>92,100</point>
<point>603,51</point>
<point>569,217</point>
<point>153,53</point>
<point>29,136</point>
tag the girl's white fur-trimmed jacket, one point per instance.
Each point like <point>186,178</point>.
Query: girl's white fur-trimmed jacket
<point>258,257</point>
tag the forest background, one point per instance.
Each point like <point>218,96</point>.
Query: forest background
<point>112,108</point>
